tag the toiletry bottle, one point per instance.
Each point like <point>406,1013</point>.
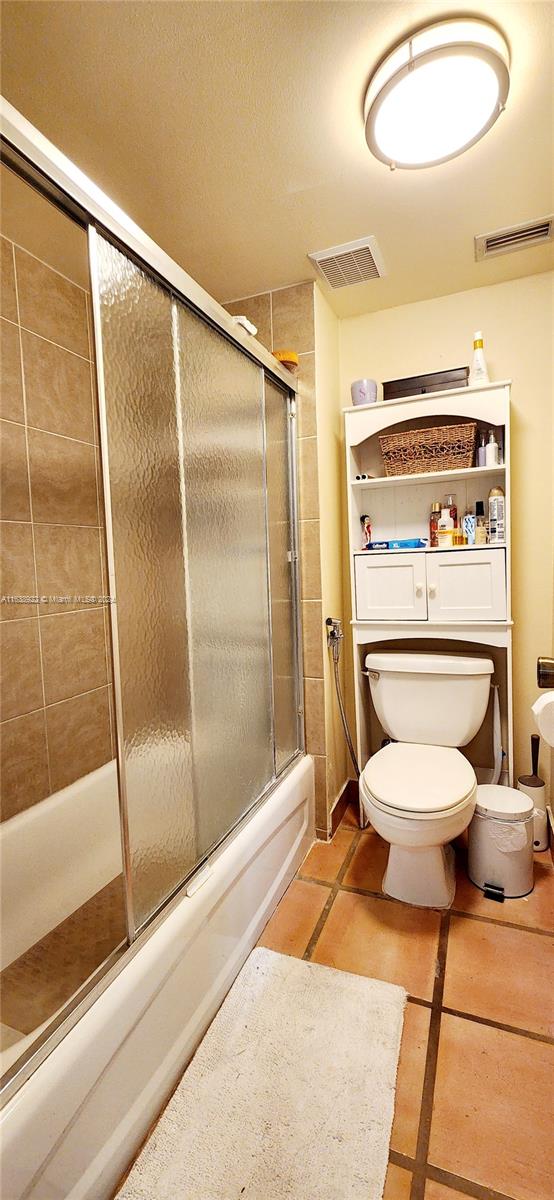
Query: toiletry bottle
<point>468,525</point>
<point>434,524</point>
<point>491,451</point>
<point>480,526</point>
<point>497,516</point>
<point>450,503</point>
<point>478,372</point>
<point>482,450</point>
<point>445,531</point>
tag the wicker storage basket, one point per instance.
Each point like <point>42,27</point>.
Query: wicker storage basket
<point>419,451</point>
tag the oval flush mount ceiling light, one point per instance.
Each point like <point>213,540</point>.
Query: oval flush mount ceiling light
<point>437,93</point>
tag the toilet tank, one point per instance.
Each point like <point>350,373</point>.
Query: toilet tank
<point>434,699</point>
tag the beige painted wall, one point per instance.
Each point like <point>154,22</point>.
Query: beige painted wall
<point>331,517</point>
<point>517,321</point>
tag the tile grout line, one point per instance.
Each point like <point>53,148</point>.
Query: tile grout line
<point>86,608</point>
<point>426,1111</point>
<point>66,437</point>
<point>55,703</point>
<point>454,912</point>
<point>45,264</point>
<point>476,1191</point>
<point>488,1021</point>
<point>335,889</point>
<point>42,338</point>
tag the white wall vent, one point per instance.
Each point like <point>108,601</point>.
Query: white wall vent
<point>353,262</point>
<point>516,237</point>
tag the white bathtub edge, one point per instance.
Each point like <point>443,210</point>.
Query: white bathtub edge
<point>73,1127</point>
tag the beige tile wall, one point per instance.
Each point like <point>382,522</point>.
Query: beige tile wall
<point>285,321</point>
<point>56,709</point>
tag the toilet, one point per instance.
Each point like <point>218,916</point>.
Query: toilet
<point>419,792</point>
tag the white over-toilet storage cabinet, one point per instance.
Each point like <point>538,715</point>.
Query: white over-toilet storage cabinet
<point>458,595</point>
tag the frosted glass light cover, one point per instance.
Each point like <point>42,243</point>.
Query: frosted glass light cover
<point>145,470</point>
<point>437,93</point>
<point>285,699</point>
<point>434,110</point>
<point>222,444</point>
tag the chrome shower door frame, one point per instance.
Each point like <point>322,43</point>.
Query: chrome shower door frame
<point>34,158</point>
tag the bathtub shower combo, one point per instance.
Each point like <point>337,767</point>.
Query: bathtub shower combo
<point>133,892</point>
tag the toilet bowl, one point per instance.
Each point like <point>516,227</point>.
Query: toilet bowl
<point>419,798</point>
<point>419,792</point>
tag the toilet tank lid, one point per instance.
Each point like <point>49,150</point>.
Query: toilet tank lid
<point>418,663</point>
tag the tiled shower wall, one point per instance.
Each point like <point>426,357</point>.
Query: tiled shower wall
<point>56,691</point>
<point>285,321</point>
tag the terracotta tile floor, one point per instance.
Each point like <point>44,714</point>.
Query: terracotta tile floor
<point>473,1113</point>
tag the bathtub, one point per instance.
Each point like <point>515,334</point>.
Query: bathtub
<point>72,1129</point>
<point>45,874</point>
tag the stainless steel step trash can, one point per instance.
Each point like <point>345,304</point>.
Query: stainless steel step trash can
<point>500,849</point>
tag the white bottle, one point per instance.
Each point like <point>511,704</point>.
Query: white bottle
<point>497,516</point>
<point>445,529</point>
<point>491,451</point>
<point>478,373</point>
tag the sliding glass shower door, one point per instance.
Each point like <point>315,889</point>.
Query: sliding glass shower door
<point>197,470</point>
<point>143,483</point>
<point>220,400</point>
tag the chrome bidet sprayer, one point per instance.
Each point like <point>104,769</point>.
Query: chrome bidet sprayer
<point>334,639</point>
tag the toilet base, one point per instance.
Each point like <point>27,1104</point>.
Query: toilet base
<point>424,876</point>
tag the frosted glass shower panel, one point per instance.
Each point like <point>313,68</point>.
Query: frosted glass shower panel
<point>281,568</point>
<point>223,448</point>
<point>145,469</point>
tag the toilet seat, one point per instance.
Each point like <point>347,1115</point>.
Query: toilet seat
<point>407,779</point>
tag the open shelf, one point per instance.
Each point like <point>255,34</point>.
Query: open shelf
<point>435,549</point>
<point>425,477</point>
<point>477,389</point>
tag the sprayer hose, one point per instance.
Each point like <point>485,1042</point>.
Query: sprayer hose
<point>343,718</point>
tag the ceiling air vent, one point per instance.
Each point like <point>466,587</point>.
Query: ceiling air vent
<point>517,237</point>
<point>354,262</point>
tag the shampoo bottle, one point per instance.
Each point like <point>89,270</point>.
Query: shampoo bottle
<point>478,372</point>
<point>445,531</point>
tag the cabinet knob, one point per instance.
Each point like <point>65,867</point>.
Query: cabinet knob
<point>432,590</point>
<point>419,589</point>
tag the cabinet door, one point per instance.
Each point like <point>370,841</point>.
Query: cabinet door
<point>390,587</point>
<point>466,585</point>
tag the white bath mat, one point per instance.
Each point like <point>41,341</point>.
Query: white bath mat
<point>290,1096</point>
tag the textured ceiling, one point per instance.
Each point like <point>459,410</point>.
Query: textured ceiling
<point>233,134</point>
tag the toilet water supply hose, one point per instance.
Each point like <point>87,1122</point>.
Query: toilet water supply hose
<point>334,639</point>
